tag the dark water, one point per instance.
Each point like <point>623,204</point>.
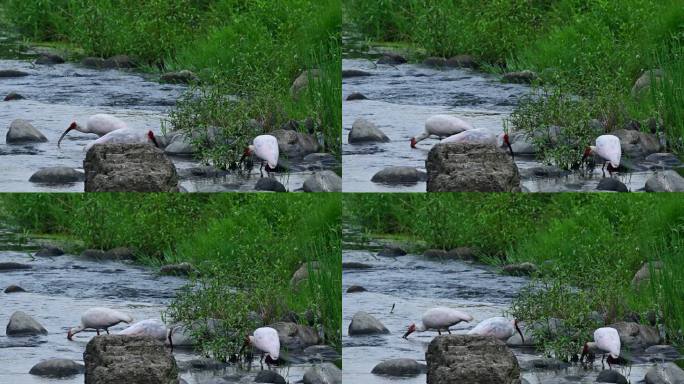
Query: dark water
<point>401,98</point>
<point>60,288</point>
<point>414,284</point>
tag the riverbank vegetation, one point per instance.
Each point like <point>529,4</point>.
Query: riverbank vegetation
<point>243,246</point>
<point>587,55</point>
<point>245,54</point>
<point>587,250</point>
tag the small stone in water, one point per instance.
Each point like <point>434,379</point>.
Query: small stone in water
<point>610,376</point>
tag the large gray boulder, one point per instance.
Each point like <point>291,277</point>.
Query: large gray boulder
<point>665,181</point>
<point>399,175</point>
<point>668,373</point>
<point>465,167</point>
<point>643,84</point>
<point>326,373</point>
<point>470,359</point>
<point>302,82</point>
<point>295,144</point>
<point>114,359</point>
<point>364,324</point>
<point>634,336</point>
<point>57,175</point>
<point>323,181</point>
<point>58,368</point>
<point>365,131</point>
<point>637,144</point>
<point>399,367</point>
<point>21,324</point>
<point>295,336</point>
<point>129,168</point>
<point>179,145</point>
<point>22,132</point>
<point>643,275</point>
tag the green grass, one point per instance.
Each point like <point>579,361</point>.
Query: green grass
<point>250,50</point>
<point>588,248</point>
<point>595,50</point>
<point>245,247</point>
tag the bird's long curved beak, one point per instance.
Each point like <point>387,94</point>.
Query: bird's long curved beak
<point>406,334</point>
<point>61,137</point>
<point>519,332</point>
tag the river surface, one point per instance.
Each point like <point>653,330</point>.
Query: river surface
<point>57,95</point>
<point>60,288</point>
<point>413,284</point>
<point>402,97</point>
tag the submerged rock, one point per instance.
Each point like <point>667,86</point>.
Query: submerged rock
<point>326,373</point>
<point>269,377</point>
<point>269,184</point>
<point>435,62</point>
<point>323,181</point>
<point>435,254</point>
<point>119,61</point>
<point>610,184</point>
<point>49,251</point>
<point>57,175</point>
<point>364,324</point>
<point>399,175</point>
<point>21,324</point>
<point>11,266</point>
<point>93,62</point>
<point>462,61</point>
<point>13,96</point>
<point>58,368</point>
<point>665,181</point>
<point>464,167</point>
<point>49,59</point>
<point>522,77</point>
<point>129,168</point>
<point>356,96</point>
<point>462,253</point>
<point>8,73</point>
<point>355,289</point>
<point>470,359</point>
<point>347,73</point>
<point>399,367</point>
<point>392,251</point>
<point>364,131</point>
<point>120,253</point>
<point>113,359</point>
<point>610,376</point>
<point>355,265</point>
<point>392,59</point>
<point>14,289</point>
<point>22,132</point>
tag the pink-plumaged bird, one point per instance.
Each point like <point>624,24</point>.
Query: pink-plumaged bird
<point>441,126</point>
<point>100,124</point>
<point>608,149</point>
<point>99,318</point>
<point>498,327</point>
<point>125,136</point>
<point>606,341</point>
<point>438,319</point>
<point>265,147</point>
<point>266,340</point>
<point>150,327</point>
<point>472,136</point>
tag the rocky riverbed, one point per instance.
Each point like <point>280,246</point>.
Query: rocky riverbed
<point>382,90</point>
<point>48,94</point>
<point>388,289</point>
<point>54,289</point>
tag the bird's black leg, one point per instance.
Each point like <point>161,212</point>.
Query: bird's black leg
<point>98,331</point>
<point>448,330</point>
<point>261,361</point>
<point>107,330</point>
<point>603,357</point>
<point>261,167</point>
<point>439,332</point>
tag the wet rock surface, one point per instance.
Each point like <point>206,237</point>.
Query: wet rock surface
<point>12,96</point>
<point>129,168</point>
<point>22,132</point>
<point>471,359</point>
<point>462,167</point>
<point>365,131</point>
<point>399,175</point>
<point>392,251</point>
<point>610,184</point>
<point>14,289</point>
<point>49,251</point>
<point>117,359</point>
<point>57,175</point>
<point>57,368</point>
<point>399,367</point>
<point>22,324</point>
<point>365,324</point>
<point>610,376</point>
<point>269,184</point>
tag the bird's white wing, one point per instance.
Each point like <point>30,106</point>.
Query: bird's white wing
<point>474,136</point>
<point>608,147</point>
<point>446,125</point>
<point>266,339</point>
<point>266,148</point>
<point>441,317</point>
<point>608,339</point>
<point>102,124</point>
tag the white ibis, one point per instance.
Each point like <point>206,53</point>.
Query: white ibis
<point>606,341</point>
<point>441,126</point>
<point>125,136</point>
<point>100,124</point>
<point>99,318</point>
<point>438,319</point>
<point>265,147</point>
<point>150,327</point>
<point>498,327</point>
<point>267,341</point>
<point>608,149</point>
<point>473,136</point>
<point>503,142</point>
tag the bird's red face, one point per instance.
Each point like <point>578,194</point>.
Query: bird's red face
<point>585,351</point>
<point>411,329</point>
<point>150,135</point>
<point>587,153</point>
<point>247,152</point>
<point>72,126</point>
<point>413,142</point>
<point>506,140</point>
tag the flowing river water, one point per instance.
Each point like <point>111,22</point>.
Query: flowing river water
<point>59,289</point>
<point>56,95</point>
<point>400,289</point>
<point>402,97</point>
